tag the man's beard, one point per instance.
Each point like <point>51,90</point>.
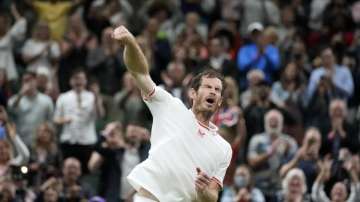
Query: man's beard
<point>273,131</point>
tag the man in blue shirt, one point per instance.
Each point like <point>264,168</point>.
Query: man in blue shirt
<point>258,54</point>
<point>336,78</point>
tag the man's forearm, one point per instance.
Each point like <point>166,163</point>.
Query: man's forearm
<point>135,59</point>
<point>256,161</point>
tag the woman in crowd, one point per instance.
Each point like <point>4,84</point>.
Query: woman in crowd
<point>294,187</point>
<point>45,157</point>
<point>242,189</point>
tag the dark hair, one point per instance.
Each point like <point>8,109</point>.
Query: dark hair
<point>208,73</point>
<point>78,71</point>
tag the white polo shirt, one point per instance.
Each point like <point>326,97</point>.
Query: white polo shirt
<point>179,144</point>
<point>81,129</point>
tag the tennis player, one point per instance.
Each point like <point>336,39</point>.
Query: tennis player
<point>188,158</point>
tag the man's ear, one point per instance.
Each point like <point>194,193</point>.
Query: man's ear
<point>192,94</point>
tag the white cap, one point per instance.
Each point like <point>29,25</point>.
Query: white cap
<point>255,26</point>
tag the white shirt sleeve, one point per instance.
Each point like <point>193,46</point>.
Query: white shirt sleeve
<point>220,173</point>
<point>157,100</point>
<point>23,154</point>
<point>59,111</point>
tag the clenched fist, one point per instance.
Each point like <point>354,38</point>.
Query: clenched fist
<point>122,35</point>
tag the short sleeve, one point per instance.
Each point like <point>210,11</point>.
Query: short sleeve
<point>158,100</point>
<point>220,173</point>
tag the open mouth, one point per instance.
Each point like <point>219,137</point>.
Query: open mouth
<point>210,100</point>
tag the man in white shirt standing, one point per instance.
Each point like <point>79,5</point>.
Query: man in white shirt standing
<point>188,159</point>
<point>76,111</point>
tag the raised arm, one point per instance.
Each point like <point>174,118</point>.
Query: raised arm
<point>135,60</point>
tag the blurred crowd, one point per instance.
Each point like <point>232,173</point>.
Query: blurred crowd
<point>73,123</point>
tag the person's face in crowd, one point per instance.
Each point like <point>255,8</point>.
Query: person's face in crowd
<point>338,192</point>
<point>255,78</point>
<point>328,58</point>
<point>290,71</point>
<point>215,47</point>
<point>44,134</point>
<point>4,152</point>
<point>337,109</point>
<point>128,82</point>
<point>42,81</point>
<point>42,32</point>
<point>273,123</point>
<point>242,177</point>
<point>230,91</point>
<point>76,24</point>
<point>132,134</point>
<point>180,53</point>
<point>192,19</point>
<point>207,99</point>
<point>51,195</point>
<point>287,16</point>
<point>177,73</point>
<point>295,185</point>
<point>72,169</point>
<point>153,26</point>
<point>78,81</point>
<point>259,38</point>
<point>30,80</point>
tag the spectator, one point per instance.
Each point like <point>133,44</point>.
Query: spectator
<point>39,50</point>
<point>267,152</point>
<point>74,48</point>
<point>294,187</point>
<point>265,12</point>
<point>128,152</point>
<point>288,90</point>
<point>339,134</point>
<point>8,139</point>
<point>254,78</point>
<point>55,13</point>
<point>192,24</point>
<point>339,191</point>
<point>260,104</point>
<point>218,58</point>
<point>286,95</point>
<point>258,54</point>
<point>29,108</point>
<point>105,63</point>
<point>69,186</point>
<point>8,37</point>
<point>128,102</point>
<point>174,80</point>
<point>159,46</point>
<point>45,157</point>
<point>243,188</point>
<point>335,80</point>
<point>307,157</point>
<point>77,111</point>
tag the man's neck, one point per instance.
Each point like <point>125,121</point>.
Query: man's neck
<point>78,90</point>
<point>202,117</point>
